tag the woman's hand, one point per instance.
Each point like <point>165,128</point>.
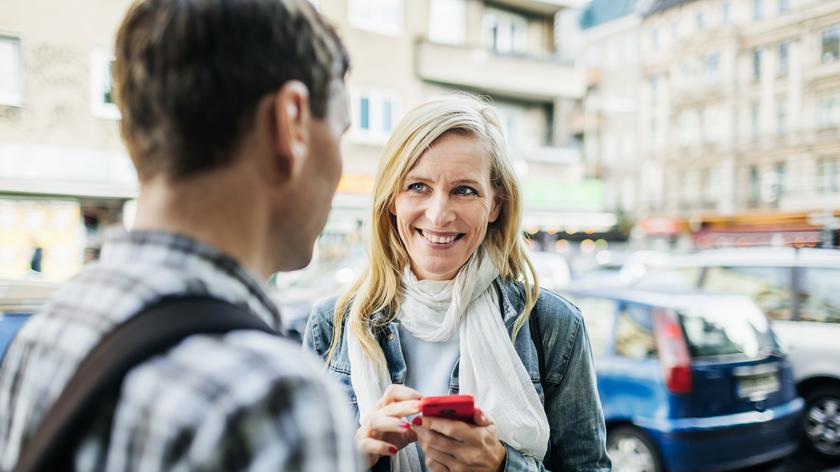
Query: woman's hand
<point>384,431</point>
<point>455,446</point>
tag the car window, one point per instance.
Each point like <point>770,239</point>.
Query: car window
<point>726,327</point>
<point>769,287</point>
<point>819,294</point>
<point>634,333</point>
<point>599,314</point>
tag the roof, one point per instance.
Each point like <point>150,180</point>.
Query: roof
<point>655,296</point>
<point>658,6</point>
<point>603,11</point>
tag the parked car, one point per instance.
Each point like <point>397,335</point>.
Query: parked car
<point>689,381</point>
<point>552,269</point>
<point>19,299</point>
<point>799,290</point>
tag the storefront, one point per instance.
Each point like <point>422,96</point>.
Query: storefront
<point>55,205</point>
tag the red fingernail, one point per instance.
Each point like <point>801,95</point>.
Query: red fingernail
<point>405,426</point>
<point>392,450</point>
<point>417,421</point>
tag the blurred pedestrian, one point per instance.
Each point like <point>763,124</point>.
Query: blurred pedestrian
<point>448,286</point>
<point>232,113</point>
<point>36,259</point>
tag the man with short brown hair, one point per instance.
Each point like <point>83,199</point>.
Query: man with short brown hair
<point>232,112</point>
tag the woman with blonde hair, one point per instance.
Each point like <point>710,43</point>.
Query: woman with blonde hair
<point>450,304</point>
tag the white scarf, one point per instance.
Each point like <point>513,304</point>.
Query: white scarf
<point>489,362</point>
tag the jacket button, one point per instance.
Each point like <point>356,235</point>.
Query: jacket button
<point>391,337</point>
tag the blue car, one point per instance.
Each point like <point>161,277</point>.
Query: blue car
<point>19,299</point>
<point>689,381</point>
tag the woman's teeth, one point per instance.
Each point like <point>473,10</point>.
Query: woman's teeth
<point>438,239</point>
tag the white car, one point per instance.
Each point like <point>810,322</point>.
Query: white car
<point>799,289</point>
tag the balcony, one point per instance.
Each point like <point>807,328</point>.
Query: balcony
<point>541,7</point>
<point>525,77</point>
<point>547,155</point>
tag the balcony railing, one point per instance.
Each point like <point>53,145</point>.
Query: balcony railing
<point>522,76</point>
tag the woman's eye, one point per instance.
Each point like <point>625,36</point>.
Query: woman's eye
<point>417,187</point>
<point>464,190</point>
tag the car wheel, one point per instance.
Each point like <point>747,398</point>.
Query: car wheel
<point>822,422</point>
<point>631,450</point>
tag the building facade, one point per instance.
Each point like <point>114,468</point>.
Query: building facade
<point>515,52</point>
<point>739,118</point>
<point>65,173</point>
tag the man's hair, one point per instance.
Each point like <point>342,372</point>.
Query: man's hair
<point>189,74</point>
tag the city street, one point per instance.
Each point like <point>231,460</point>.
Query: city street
<point>799,462</point>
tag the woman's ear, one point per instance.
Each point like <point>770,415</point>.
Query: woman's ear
<point>497,208</point>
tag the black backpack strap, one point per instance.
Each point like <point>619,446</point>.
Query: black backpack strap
<point>534,326</point>
<point>100,375</point>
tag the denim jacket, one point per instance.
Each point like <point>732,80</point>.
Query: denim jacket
<point>568,391</point>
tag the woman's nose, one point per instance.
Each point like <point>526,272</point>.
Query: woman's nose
<point>439,211</point>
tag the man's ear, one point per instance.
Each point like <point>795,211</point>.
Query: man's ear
<point>290,136</point>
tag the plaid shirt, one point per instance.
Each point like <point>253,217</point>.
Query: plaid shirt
<point>245,400</point>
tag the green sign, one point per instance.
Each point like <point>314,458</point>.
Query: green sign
<point>554,194</point>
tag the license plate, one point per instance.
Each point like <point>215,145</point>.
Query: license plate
<point>757,387</point>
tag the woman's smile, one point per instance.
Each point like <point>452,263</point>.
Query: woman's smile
<point>439,240</point>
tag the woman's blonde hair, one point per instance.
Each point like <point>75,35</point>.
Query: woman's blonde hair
<point>378,288</point>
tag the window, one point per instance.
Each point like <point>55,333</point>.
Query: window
<point>711,330</point>
<point>654,87</point>
<point>781,118</point>
<point>819,299</point>
<point>828,109</point>
<point>701,20</point>
<point>634,337</point>
<point>755,185</point>
<point>689,122</point>
<point>827,175</point>
<point>377,16</point>
<point>712,69</point>
<point>756,64</point>
<point>654,39</point>
<point>599,315</point>
<point>781,178</point>
<point>375,113</point>
<point>830,44</point>
<point>505,32</point>
<point>101,86</point>
<point>758,9</point>
<point>784,57</point>
<point>784,6</point>
<point>364,113</point>
<point>11,80</point>
<point>447,21</point>
<point>769,287</point>
<point>712,116</point>
<point>675,31</point>
<point>755,120</point>
<point>511,117</point>
<point>726,12</point>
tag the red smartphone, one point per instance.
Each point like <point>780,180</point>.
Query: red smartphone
<point>456,407</point>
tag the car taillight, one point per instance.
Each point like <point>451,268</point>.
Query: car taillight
<point>673,351</point>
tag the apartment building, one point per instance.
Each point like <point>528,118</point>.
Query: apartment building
<point>739,111</point>
<point>519,53</point>
<point>64,173</point>
<point>610,118</point>
<point>62,160</point>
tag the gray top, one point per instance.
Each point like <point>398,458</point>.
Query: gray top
<point>429,364</point>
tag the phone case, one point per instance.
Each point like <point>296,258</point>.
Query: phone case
<point>456,407</point>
